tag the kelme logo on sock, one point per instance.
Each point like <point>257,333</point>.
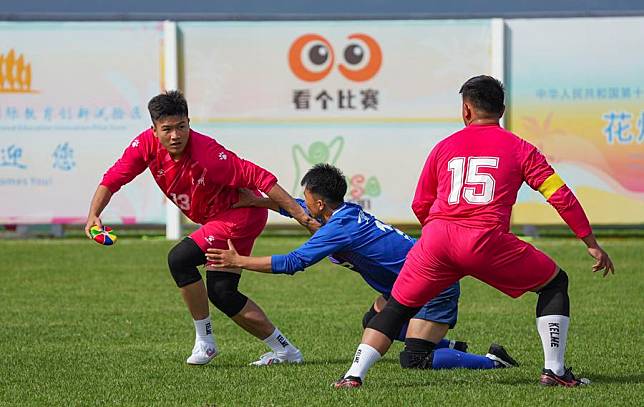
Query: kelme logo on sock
<point>554,334</point>
<point>282,340</point>
<point>357,358</point>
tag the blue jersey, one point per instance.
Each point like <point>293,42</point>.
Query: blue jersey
<point>357,240</point>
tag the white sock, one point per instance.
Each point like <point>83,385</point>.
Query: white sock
<point>366,356</point>
<point>553,330</point>
<point>278,343</point>
<point>203,330</point>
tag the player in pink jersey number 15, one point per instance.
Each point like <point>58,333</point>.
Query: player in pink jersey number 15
<point>464,200</point>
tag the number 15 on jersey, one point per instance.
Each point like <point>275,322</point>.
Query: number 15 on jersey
<point>465,185</point>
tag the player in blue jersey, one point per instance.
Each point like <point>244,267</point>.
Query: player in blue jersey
<point>357,240</point>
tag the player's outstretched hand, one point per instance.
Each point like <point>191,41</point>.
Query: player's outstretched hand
<point>220,258</point>
<point>246,198</point>
<point>91,221</point>
<point>602,260</point>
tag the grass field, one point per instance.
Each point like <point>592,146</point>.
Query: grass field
<point>88,325</point>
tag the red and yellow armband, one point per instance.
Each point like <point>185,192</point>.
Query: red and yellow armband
<point>557,193</point>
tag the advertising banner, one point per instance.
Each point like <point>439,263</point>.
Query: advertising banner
<point>72,97</point>
<point>372,98</point>
<point>577,92</point>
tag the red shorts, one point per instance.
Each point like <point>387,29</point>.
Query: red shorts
<point>241,225</point>
<point>446,252</point>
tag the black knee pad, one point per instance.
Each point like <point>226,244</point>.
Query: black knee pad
<point>368,315</point>
<point>183,260</point>
<point>416,360</point>
<point>223,292</point>
<point>418,354</point>
<point>553,298</point>
<point>392,318</point>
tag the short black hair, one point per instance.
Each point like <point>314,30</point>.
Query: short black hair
<point>485,93</point>
<point>326,181</point>
<point>169,103</point>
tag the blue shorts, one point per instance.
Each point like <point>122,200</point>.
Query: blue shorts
<point>442,309</point>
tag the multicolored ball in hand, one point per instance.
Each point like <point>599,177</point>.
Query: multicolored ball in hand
<point>103,236</point>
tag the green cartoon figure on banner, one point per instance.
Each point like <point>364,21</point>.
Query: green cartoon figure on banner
<point>373,187</point>
<point>318,152</point>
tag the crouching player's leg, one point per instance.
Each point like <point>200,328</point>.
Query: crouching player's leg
<point>425,343</point>
<point>418,282</point>
<point>553,316</point>
<point>432,330</point>
<point>514,267</point>
<point>224,294</point>
<point>183,260</point>
<point>222,287</point>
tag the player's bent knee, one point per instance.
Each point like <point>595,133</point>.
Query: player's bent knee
<point>416,360</point>
<point>559,283</point>
<point>553,298</point>
<point>368,315</point>
<point>183,260</point>
<point>224,294</point>
<point>391,319</point>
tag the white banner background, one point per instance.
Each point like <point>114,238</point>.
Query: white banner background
<point>241,90</point>
<point>64,123</point>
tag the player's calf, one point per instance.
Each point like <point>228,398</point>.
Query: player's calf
<point>553,311</point>
<point>223,292</point>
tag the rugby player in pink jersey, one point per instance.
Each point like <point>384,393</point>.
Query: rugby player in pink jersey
<point>463,201</point>
<point>202,178</point>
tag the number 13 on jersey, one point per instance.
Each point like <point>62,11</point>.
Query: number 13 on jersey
<point>466,186</point>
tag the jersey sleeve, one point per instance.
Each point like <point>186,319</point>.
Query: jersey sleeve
<point>226,168</point>
<point>426,190</point>
<point>300,202</point>
<point>328,239</point>
<point>134,161</point>
<point>540,176</point>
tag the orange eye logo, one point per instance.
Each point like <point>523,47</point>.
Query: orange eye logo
<point>363,58</point>
<point>311,58</point>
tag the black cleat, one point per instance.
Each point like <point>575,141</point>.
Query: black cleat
<point>548,378</point>
<point>498,354</point>
<point>348,382</point>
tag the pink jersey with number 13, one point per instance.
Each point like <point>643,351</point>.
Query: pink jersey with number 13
<point>202,183</point>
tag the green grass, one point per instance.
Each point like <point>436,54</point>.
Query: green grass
<point>83,324</point>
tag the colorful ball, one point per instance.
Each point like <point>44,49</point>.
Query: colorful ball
<point>103,236</point>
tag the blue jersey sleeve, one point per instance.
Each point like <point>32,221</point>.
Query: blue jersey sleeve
<point>301,202</point>
<point>328,239</point>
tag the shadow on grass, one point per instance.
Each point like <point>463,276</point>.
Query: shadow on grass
<point>615,379</point>
<point>345,362</point>
<point>594,378</point>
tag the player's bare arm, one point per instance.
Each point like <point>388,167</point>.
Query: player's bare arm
<point>285,201</point>
<point>226,259</point>
<point>248,199</point>
<point>602,260</point>
<point>100,200</point>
